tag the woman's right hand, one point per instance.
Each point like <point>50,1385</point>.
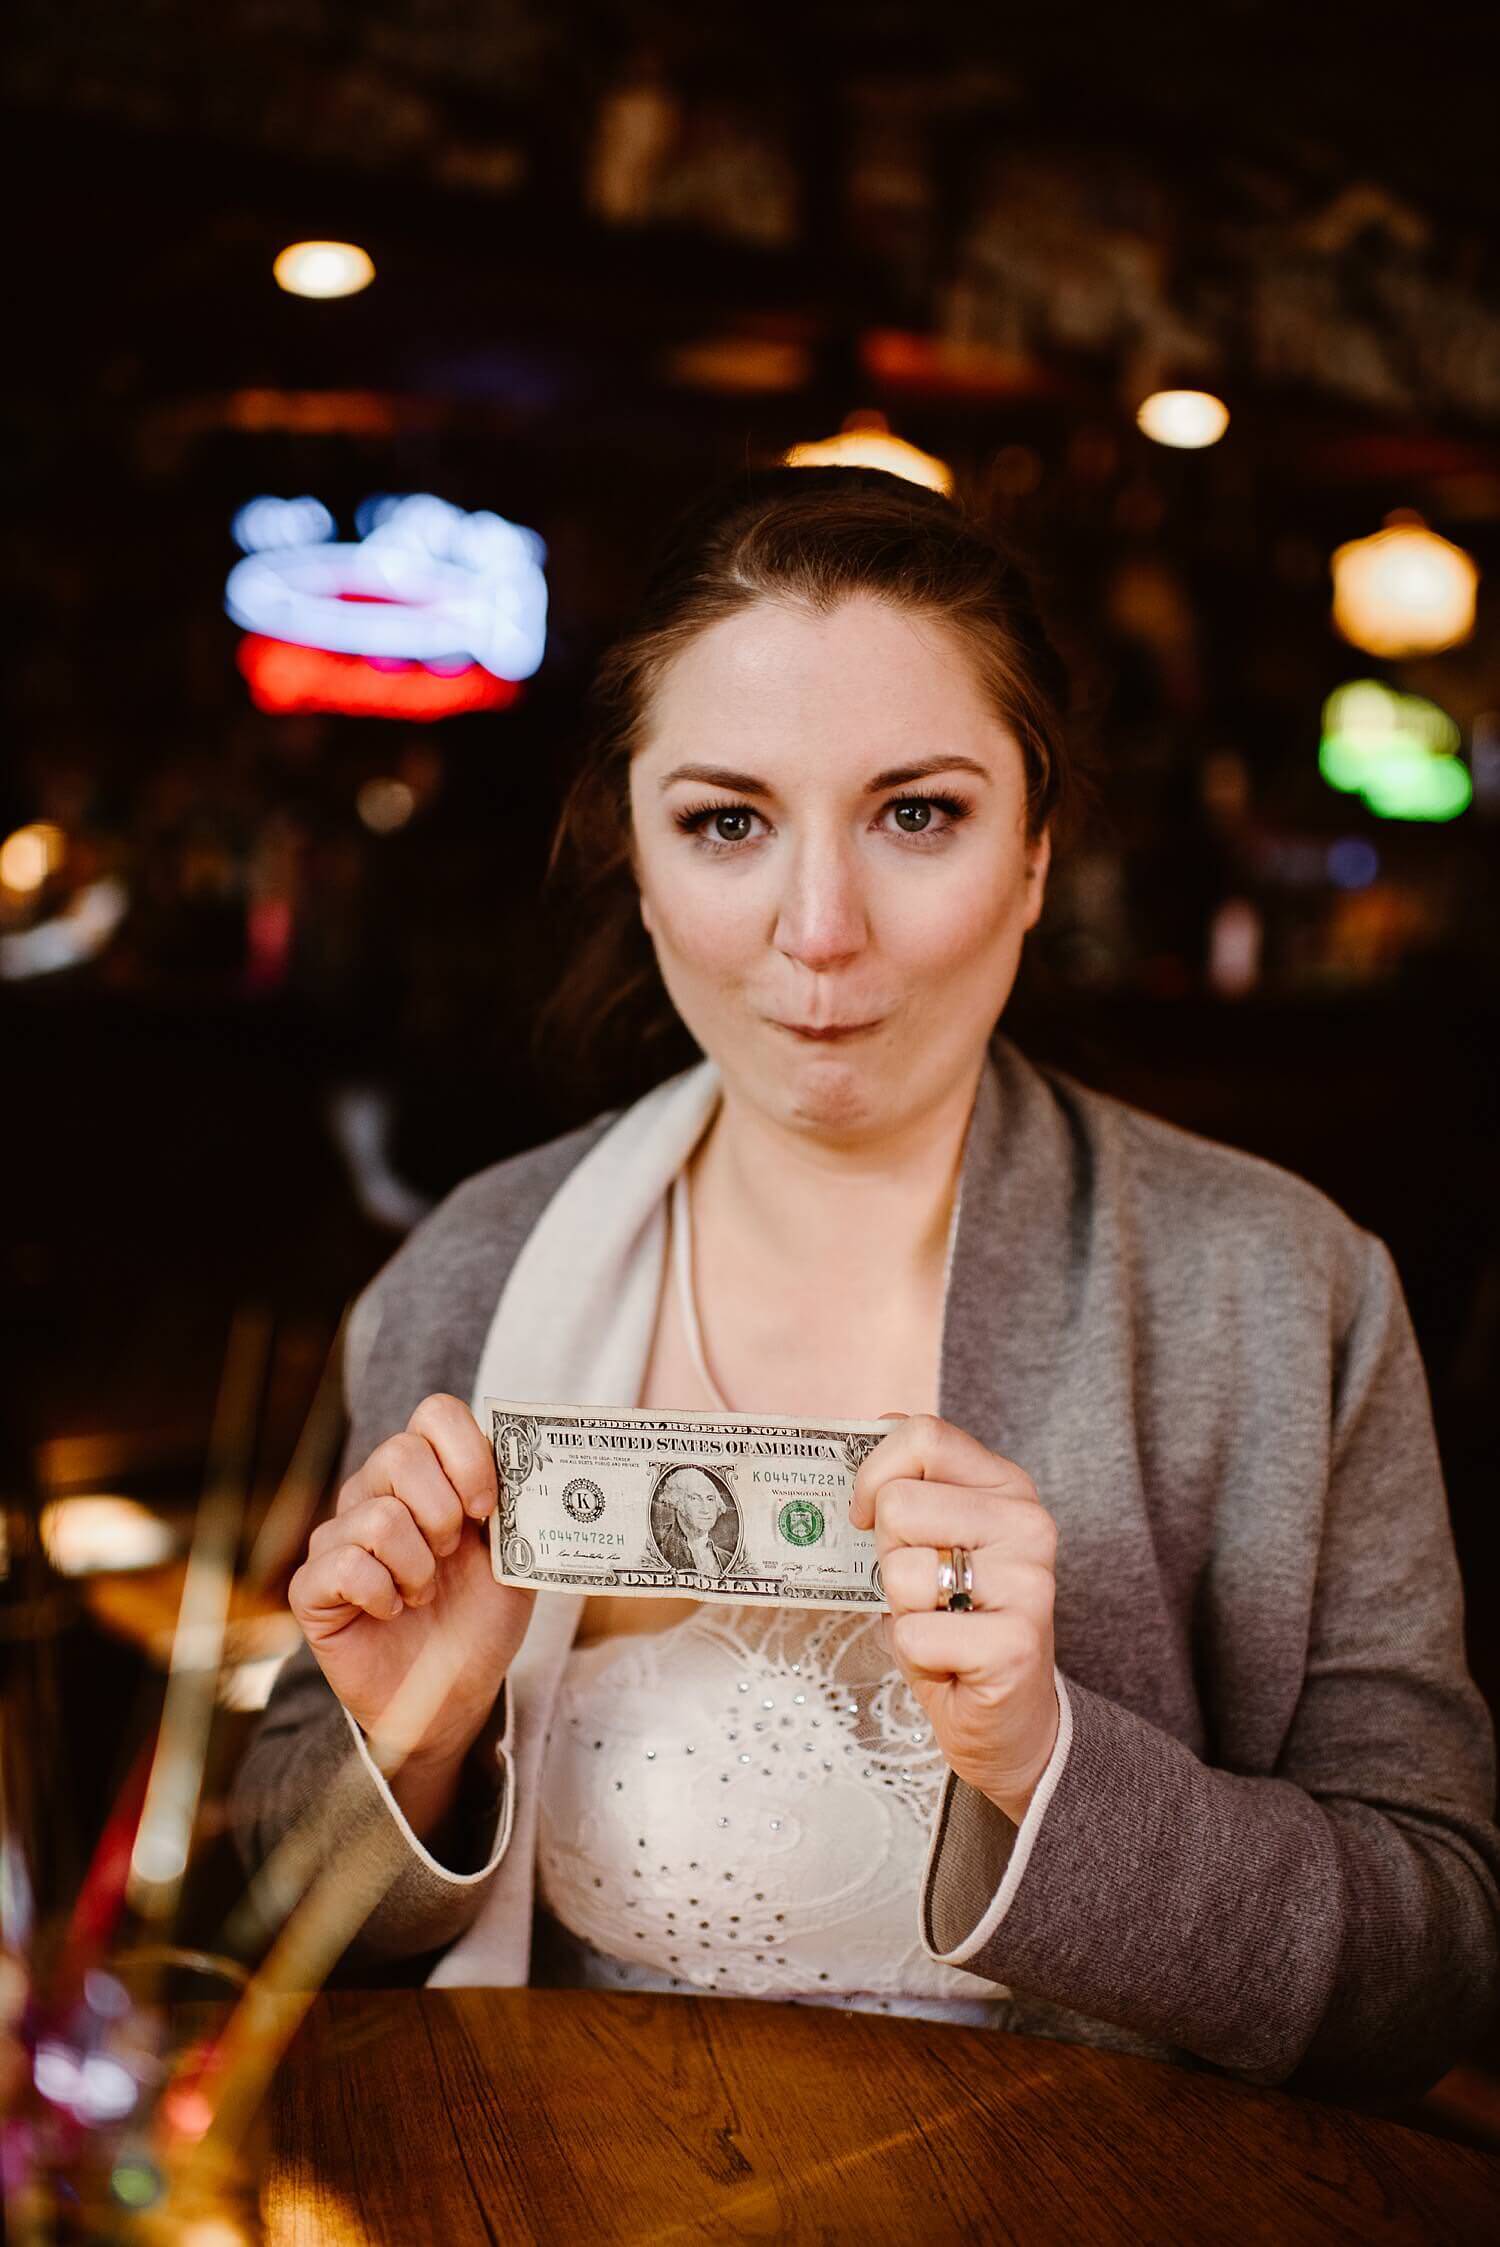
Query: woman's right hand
<point>403,1564</point>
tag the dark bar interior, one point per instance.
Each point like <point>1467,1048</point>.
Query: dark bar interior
<point>276,924</point>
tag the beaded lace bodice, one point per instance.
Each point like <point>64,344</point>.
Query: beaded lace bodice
<point>742,1802</point>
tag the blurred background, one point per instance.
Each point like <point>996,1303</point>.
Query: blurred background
<point>1201,305</point>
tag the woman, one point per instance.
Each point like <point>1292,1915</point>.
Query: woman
<point>1202,1773</point>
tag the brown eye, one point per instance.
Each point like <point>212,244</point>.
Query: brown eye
<point>731,817</point>
<point>917,815</point>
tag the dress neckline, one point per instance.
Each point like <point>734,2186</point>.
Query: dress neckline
<point>682,1261</point>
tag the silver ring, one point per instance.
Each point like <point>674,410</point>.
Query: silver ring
<point>955,1580</point>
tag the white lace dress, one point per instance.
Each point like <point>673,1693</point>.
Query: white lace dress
<point>742,1803</point>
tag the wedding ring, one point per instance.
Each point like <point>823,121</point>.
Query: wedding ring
<point>947,1576</point>
<point>963,1595</point>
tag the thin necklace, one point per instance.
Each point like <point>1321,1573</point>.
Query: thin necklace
<point>682,1258</point>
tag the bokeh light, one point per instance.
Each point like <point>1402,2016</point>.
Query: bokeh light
<point>136,2182</point>
<point>323,269</point>
<point>1185,419</point>
<point>384,805</point>
<point>1404,591</point>
<point>866,442</point>
<point>1397,751</point>
<point>88,1536</point>
<point>29,855</point>
<point>1353,862</point>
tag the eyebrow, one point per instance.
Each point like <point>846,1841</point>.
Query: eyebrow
<point>746,784</point>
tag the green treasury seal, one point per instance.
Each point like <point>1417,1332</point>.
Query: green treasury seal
<point>800,1522</point>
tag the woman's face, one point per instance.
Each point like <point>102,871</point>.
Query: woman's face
<point>829,830</point>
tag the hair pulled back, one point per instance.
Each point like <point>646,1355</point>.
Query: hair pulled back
<point>812,537</point>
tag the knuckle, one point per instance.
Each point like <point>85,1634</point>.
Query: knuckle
<point>408,1454</point>
<point>434,1414</point>
<point>896,1504</point>
<point>387,1516</point>
<point>383,1460</point>
<point>362,1576</point>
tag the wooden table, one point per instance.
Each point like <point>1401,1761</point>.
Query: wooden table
<point>457,2116</point>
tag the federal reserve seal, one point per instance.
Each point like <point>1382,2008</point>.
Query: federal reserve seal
<point>584,1499</point>
<point>800,1522</point>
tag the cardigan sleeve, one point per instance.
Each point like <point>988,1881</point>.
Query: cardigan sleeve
<point>308,1793</point>
<point>1333,1925</point>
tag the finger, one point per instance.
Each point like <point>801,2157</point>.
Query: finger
<point>385,1528</point>
<point>462,1450</point>
<point>858,1513</point>
<point>925,1448</point>
<point>937,1513</point>
<point>910,1576</point>
<point>344,1581</point>
<point>407,1468</point>
<point>994,1648</point>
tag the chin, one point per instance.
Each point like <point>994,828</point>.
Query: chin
<point>831,1090</point>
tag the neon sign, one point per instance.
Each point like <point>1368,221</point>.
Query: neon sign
<point>283,679</point>
<point>430,612</point>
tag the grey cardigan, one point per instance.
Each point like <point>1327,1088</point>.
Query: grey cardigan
<point>1271,1848</point>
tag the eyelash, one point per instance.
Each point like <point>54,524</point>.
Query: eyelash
<point>694,818</point>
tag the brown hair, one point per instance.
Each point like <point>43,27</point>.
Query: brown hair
<point>813,536</point>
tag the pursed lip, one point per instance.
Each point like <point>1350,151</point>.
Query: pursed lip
<point>829,1032</point>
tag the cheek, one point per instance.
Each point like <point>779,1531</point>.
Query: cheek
<point>709,925</point>
<point>945,925</point>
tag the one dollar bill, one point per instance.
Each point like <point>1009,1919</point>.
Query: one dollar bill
<point>731,1507</point>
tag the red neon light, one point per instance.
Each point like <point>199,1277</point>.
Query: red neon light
<point>284,678</point>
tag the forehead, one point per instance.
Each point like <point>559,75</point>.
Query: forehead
<point>865,675</point>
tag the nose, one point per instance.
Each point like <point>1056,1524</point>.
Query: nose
<point>821,918</point>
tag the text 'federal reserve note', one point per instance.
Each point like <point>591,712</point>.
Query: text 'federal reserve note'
<point>724,1507</point>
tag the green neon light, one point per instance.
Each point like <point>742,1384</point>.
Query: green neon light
<point>1396,751</point>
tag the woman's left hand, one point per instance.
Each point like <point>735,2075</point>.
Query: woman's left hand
<point>984,1675</point>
